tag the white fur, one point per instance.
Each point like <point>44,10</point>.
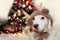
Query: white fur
<point>54,8</point>
<point>41,22</point>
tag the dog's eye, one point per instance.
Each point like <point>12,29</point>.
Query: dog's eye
<point>42,18</point>
<point>33,18</point>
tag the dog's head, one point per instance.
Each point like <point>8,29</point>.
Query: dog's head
<point>39,21</point>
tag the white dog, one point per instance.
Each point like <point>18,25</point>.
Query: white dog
<point>41,23</point>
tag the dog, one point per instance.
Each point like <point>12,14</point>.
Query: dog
<point>41,23</point>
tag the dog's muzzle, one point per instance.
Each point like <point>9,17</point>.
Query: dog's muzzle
<point>35,26</point>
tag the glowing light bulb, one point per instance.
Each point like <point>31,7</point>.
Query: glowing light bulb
<point>15,2</point>
<point>23,5</point>
<point>19,13</point>
<point>30,7</point>
<point>27,2</point>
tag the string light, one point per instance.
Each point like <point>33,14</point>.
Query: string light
<point>26,2</point>
<point>23,0</point>
<point>15,2</point>
<point>17,16</point>
<point>18,12</point>
<point>30,7</point>
<point>23,5</point>
<point>9,17</point>
<point>14,15</point>
<point>12,30</point>
<point>12,23</point>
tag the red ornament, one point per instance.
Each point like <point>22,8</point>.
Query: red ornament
<point>18,25</point>
<point>6,31</point>
<point>16,2</point>
<point>21,13</point>
<point>29,2</point>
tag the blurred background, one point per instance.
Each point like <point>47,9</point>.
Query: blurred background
<point>52,5</point>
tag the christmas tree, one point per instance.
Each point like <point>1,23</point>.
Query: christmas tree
<point>17,17</point>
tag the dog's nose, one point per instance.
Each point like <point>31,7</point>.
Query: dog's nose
<point>35,25</point>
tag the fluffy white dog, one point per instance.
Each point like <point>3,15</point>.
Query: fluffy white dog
<point>41,23</point>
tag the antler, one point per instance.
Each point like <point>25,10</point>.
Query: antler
<point>38,7</point>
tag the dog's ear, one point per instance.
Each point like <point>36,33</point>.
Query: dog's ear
<point>29,22</point>
<point>50,19</point>
<point>49,25</point>
<point>37,7</point>
<point>45,11</point>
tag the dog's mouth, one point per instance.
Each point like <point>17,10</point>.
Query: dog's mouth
<point>36,28</point>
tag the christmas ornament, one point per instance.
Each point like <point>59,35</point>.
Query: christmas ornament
<point>17,16</point>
